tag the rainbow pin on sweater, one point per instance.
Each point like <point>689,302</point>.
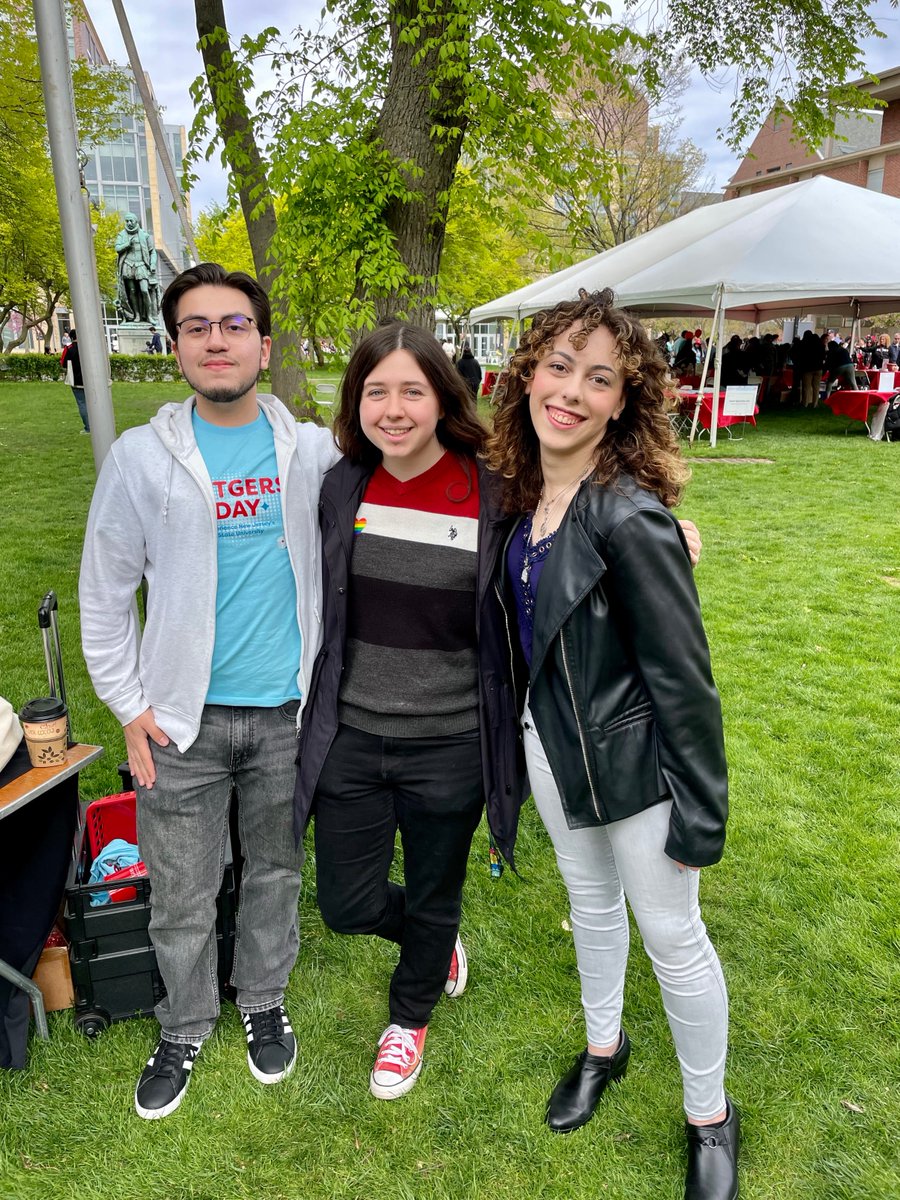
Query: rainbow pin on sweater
<point>358,526</point>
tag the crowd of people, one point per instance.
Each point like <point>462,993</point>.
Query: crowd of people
<point>401,617</point>
<point>812,358</point>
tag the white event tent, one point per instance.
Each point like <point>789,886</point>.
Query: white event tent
<point>814,246</point>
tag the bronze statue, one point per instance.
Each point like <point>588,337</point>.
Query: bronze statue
<point>138,294</point>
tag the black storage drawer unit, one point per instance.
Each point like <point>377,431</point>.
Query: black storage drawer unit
<point>114,971</point>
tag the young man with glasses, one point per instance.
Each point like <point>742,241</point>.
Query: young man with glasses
<point>214,502</point>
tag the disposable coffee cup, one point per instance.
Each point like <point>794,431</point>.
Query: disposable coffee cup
<point>46,729</point>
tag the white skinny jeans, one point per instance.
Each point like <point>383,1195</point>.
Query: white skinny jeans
<point>601,866</point>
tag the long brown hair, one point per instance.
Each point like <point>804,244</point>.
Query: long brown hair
<point>639,443</point>
<point>459,428</point>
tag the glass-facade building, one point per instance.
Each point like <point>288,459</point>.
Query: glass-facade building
<point>126,174</point>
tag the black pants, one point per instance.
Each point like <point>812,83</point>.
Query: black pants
<point>431,789</point>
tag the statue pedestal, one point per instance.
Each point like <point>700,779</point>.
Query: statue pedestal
<point>133,337</point>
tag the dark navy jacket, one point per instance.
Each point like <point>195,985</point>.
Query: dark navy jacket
<point>503,767</point>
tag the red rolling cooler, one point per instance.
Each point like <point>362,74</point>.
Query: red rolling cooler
<point>114,971</point>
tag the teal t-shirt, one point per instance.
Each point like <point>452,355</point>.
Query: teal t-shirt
<point>256,655</point>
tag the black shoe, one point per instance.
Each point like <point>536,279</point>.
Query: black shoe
<point>578,1092</point>
<point>165,1078</point>
<point>271,1045</point>
<point>712,1172</point>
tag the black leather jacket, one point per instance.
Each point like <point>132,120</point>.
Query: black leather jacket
<point>620,687</point>
<point>503,766</point>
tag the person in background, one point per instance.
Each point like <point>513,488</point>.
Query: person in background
<point>154,346</point>
<point>751,354</point>
<point>71,361</point>
<point>880,352</point>
<point>447,347</point>
<point>809,362</point>
<point>684,360</point>
<point>840,368</point>
<point>470,369</point>
<point>894,354</point>
<point>622,723</point>
<point>734,365</point>
<point>767,363</point>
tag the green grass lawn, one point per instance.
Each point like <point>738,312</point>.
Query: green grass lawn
<point>800,582</point>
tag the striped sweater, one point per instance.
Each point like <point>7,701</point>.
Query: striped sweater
<point>410,666</point>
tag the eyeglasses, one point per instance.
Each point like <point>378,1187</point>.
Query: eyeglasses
<point>235,328</point>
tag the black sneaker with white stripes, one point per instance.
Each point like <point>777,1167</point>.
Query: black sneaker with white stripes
<point>271,1045</point>
<point>165,1078</point>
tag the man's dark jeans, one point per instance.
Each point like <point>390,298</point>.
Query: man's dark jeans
<point>430,788</point>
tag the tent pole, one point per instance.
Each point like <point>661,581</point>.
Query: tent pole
<point>705,372</point>
<point>720,337</point>
<point>854,331</point>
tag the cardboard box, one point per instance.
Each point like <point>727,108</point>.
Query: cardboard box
<point>54,978</point>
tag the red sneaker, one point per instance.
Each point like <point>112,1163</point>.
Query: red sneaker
<point>459,971</point>
<point>398,1062</point>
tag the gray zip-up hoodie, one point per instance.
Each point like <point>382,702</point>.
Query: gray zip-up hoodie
<point>152,515</point>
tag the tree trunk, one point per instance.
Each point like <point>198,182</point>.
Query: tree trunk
<point>406,123</point>
<point>39,322</point>
<point>235,128</point>
<point>5,314</point>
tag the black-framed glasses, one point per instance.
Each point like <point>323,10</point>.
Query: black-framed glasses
<point>235,328</point>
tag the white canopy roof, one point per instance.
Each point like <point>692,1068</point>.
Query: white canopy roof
<point>814,246</point>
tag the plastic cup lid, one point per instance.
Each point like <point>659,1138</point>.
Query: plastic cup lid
<point>45,708</point>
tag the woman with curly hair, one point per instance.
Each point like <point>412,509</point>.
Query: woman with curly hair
<point>622,723</point>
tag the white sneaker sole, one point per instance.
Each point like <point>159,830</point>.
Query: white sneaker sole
<point>262,1077</point>
<point>155,1114</point>
<point>458,985</point>
<point>391,1091</point>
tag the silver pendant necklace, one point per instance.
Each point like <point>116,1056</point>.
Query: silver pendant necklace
<point>546,507</point>
<point>540,547</point>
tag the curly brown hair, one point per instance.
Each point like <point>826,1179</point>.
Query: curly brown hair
<point>639,443</point>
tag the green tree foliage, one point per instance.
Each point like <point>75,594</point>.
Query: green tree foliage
<point>370,116</point>
<point>32,267</point>
<point>222,96</point>
<point>481,257</point>
<point>221,237</point>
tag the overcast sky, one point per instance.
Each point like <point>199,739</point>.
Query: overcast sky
<point>166,37</point>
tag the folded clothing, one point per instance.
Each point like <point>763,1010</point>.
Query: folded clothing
<point>114,856</point>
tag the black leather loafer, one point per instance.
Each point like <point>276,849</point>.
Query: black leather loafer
<point>578,1092</point>
<point>712,1172</point>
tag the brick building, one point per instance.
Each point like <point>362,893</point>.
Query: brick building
<point>865,150</point>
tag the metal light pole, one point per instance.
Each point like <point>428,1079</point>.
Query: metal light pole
<point>74,216</point>
<point>159,137</point>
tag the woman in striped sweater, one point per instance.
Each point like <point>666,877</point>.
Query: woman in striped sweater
<point>411,722</point>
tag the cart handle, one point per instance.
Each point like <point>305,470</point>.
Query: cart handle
<point>48,605</point>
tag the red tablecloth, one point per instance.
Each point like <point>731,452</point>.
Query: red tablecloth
<point>487,384</point>
<point>855,405</point>
<point>873,376</point>
<point>689,399</point>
